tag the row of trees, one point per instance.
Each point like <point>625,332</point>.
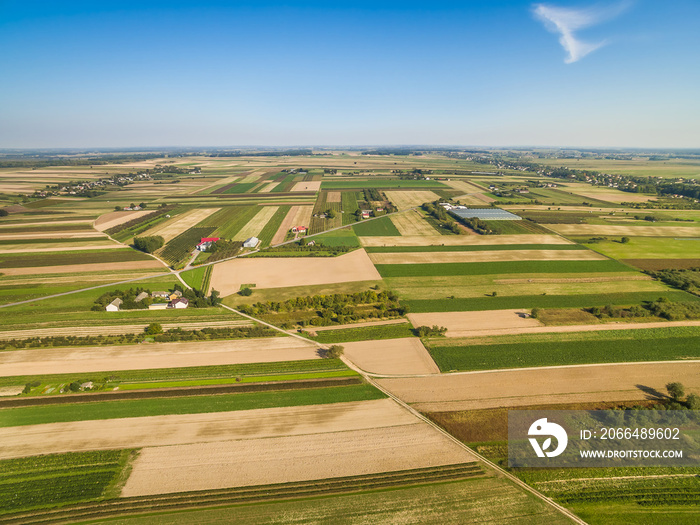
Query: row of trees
<point>149,244</point>
<point>662,307</point>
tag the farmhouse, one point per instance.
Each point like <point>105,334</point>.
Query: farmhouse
<point>114,305</point>
<point>366,214</point>
<point>175,295</point>
<point>299,229</point>
<point>160,295</point>
<point>206,243</point>
<point>251,243</point>
<point>178,303</point>
<point>140,297</point>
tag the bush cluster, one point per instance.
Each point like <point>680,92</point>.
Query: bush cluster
<point>149,244</point>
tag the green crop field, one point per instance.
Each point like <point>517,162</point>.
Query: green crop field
<point>365,333</point>
<point>349,206</point>
<point>58,479</point>
<point>268,232</point>
<point>376,227</point>
<point>381,183</point>
<point>501,302</point>
<point>185,405</point>
<point>499,267</point>
<point>650,248</point>
<point>24,260</point>
<point>476,500</point>
<point>229,220</point>
<point>198,278</point>
<point>574,348</point>
<point>248,371</point>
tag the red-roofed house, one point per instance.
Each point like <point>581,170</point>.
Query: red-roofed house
<point>299,229</point>
<point>206,242</point>
<point>178,303</point>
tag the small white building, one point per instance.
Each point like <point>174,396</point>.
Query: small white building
<point>158,306</point>
<point>114,305</point>
<point>251,243</point>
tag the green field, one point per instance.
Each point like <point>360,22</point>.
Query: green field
<point>376,227</point>
<point>229,220</point>
<point>185,405</point>
<point>268,232</point>
<point>650,248</point>
<point>472,304</point>
<point>24,260</point>
<point>249,372</point>
<point>574,348</point>
<point>477,500</point>
<point>365,333</point>
<point>349,206</point>
<point>499,267</point>
<point>198,277</point>
<point>59,479</point>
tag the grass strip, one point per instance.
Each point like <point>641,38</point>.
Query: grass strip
<point>472,248</point>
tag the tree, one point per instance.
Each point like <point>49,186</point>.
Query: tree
<point>675,390</point>
<point>148,244</point>
<point>245,292</point>
<point>117,208</point>
<point>335,351</point>
<point>693,402</point>
<point>625,240</point>
<point>153,329</point>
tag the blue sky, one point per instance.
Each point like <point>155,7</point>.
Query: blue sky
<point>127,74</point>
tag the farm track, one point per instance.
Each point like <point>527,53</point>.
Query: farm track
<point>185,391</point>
<point>262,493</point>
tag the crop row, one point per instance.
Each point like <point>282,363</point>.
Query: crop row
<point>365,333</point>
<point>229,220</point>
<point>255,493</point>
<point>268,232</point>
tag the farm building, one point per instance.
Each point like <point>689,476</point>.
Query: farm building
<point>251,243</point>
<point>175,295</point>
<point>206,243</point>
<point>160,295</point>
<point>140,297</point>
<point>114,305</point>
<point>366,214</point>
<point>178,303</point>
<point>158,306</point>
<point>299,229</point>
<point>486,214</point>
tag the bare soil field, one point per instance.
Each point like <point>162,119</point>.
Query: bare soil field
<point>68,234</point>
<point>256,224</point>
<point>80,331</point>
<point>156,355</point>
<point>285,459</point>
<point>183,222</point>
<point>115,218</point>
<point>391,356</point>
<point>154,431</point>
<point>286,225</point>
<point>639,231</point>
<point>227,277</point>
<point>484,256</point>
<point>310,185</point>
<point>409,199</point>
<point>513,388</point>
<point>462,240</point>
<point>333,196</point>
<point>461,324</point>
<point>77,268</point>
<point>411,223</point>
<point>64,247</point>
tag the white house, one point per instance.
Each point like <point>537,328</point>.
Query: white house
<point>114,305</point>
<point>251,243</point>
<point>178,303</point>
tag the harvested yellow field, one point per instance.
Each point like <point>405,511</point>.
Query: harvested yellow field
<point>333,196</point>
<point>639,231</point>
<point>227,277</point>
<point>411,223</point>
<point>256,224</point>
<point>617,196</point>
<point>183,222</point>
<point>485,256</point>
<point>309,185</point>
<point>268,187</point>
<point>286,225</point>
<point>154,431</point>
<point>462,324</point>
<point>470,188</point>
<point>391,356</point>
<point>540,386</point>
<point>115,218</point>
<point>409,199</point>
<point>156,355</point>
<point>77,268</point>
<point>303,216</point>
<point>462,240</point>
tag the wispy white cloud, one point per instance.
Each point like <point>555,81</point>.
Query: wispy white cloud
<point>566,21</point>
